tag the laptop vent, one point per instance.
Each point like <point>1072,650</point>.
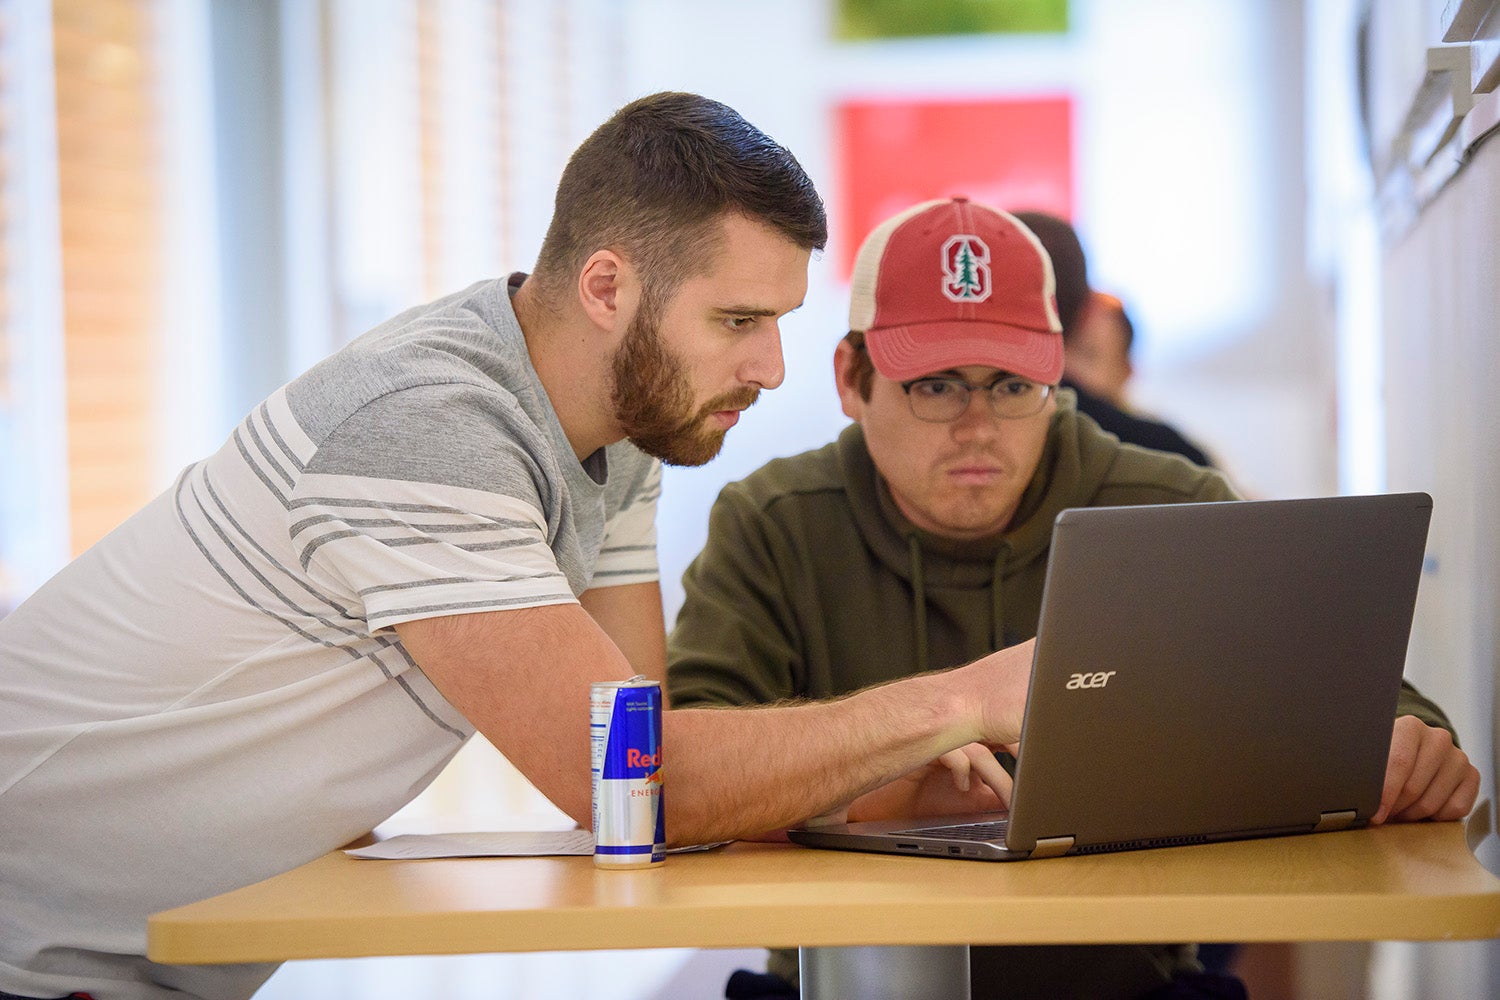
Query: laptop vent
<point>1131,845</point>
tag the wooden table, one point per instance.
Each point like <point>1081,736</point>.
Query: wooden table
<point>1400,882</point>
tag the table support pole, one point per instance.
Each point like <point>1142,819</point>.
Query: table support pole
<point>928,972</point>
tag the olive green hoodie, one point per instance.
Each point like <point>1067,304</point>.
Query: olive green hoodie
<point>812,584</point>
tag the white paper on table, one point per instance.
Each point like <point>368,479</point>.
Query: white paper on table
<point>502,844</point>
<point>508,844</point>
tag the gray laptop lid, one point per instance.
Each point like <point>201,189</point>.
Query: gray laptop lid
<point>1203,672</point>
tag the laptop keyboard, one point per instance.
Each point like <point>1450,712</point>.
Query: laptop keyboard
<point>992,830</point>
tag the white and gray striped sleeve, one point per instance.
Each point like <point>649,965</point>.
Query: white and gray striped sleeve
<point>406,550</point>
<point>628,552</point>
<point>427,502</point>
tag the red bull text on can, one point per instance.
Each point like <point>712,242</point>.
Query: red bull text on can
<point>630,827</point>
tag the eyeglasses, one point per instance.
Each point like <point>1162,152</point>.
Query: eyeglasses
<point>941,399</point>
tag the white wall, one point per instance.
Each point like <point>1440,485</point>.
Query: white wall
<point>1442,301</point>
<point>1427,303</point>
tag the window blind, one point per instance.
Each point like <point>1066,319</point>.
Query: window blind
<point>107,159</point>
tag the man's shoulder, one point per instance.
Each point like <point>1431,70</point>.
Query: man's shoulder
<point>1147,475</point>
<point>810,473</point>
<point>460,347</point>
<point>1134,428</point>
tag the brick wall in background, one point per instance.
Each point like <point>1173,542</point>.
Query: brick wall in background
<point>107,140</point>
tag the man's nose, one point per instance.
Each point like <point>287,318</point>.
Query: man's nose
<point>765,367</point>
<point>978,418</point>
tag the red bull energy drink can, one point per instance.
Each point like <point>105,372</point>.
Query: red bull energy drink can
<point>630,826</point>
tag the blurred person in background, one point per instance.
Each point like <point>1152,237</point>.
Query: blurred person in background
<point>919,539</point>
<point>1097,353</point>
<point>1074,296</point>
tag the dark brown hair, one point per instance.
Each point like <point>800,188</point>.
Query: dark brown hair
<point>1069,265</point>
<point>653,182</point>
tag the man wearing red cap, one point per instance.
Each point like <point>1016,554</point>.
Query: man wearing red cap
<point>919,538</point>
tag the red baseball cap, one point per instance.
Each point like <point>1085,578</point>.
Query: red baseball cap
<point>950,283</point>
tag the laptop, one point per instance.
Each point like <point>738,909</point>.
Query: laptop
<point>1202,672</point>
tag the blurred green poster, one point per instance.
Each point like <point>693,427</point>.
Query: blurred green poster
<point>866,19</point>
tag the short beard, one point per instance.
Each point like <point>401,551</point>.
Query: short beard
<point>653,398</point>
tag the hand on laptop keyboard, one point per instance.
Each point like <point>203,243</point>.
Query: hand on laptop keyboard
<point>965,780</point>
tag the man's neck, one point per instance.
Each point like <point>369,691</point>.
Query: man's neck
<point>572,358</point>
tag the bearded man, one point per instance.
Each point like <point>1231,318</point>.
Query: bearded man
<point>446,526</point>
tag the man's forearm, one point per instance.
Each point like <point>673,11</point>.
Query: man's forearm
<point>522,677</point>
<point>736,772</point>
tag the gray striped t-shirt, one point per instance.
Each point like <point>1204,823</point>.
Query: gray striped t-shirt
<point>431,474</point>
<point>213,693</point>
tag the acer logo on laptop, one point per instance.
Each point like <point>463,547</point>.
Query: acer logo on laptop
<point>1077,681</point>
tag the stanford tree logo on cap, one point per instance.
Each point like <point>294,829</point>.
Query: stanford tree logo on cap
<point>966,268</point>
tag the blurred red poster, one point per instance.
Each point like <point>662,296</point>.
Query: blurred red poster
<point>1012,154</point>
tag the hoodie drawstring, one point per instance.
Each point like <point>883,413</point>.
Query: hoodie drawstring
<point>997,598</point>
<point>919,600</point>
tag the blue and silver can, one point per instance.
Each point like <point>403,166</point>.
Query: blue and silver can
<point>630,827</point>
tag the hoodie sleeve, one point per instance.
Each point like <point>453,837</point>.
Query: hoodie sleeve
<point>1413,702</point>
<point>733,641</point>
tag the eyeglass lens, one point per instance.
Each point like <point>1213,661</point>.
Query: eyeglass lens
<point>940,400</point>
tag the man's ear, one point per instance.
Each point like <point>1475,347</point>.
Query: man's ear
<point>608,291</point>
<point>847,381</point>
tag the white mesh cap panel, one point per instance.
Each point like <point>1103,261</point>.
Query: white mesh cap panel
<point>867,265</point>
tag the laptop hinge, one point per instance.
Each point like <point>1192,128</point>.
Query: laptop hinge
<point>1340,820</point>
<point>1051,847</point>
